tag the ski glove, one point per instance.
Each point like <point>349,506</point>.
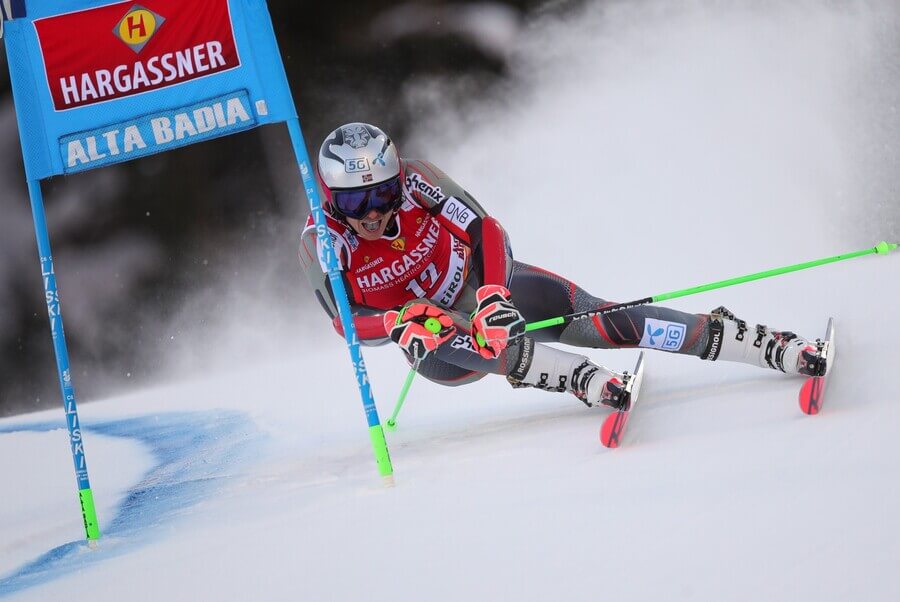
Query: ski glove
<point>496,321</point>
<point>418,328</point>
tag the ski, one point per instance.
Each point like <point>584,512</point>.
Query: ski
<point>812,393</point>
<point>614,424</point>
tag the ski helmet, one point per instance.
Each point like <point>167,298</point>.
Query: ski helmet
<point>359,170</point>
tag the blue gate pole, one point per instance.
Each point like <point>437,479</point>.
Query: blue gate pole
<point>376,431</point>
<point>85,495</point>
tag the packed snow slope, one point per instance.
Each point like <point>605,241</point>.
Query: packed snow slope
<point>641,148</point>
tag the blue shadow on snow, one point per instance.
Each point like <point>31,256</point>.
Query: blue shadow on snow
<point>195,454</point>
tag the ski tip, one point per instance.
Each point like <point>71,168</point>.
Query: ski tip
<point>612,444</point>
<point>809,409</point>
<point>612,429</point>
<point>811,395</point>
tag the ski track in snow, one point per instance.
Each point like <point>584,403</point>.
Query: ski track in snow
<point>195,454</point>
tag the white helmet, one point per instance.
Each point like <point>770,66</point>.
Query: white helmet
<point>359,170</point>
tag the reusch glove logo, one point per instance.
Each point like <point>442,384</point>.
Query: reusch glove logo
<point>502,319</point>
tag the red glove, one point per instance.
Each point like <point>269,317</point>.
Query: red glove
<point>496,321</point>
<point>419,328</point>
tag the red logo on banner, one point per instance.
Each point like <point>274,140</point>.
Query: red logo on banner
<point>123,49</point>
<point>138,26</point>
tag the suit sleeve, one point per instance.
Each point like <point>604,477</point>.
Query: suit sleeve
<point>459,212</point>
<point>368,321</point>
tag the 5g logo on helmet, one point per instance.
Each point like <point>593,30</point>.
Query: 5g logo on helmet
<point>356,165</point>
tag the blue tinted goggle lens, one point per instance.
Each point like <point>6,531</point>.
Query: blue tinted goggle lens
<point>357,204</point>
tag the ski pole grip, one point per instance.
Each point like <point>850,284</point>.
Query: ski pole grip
<point>432,325</point>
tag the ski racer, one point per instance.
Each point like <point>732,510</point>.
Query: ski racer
<point>414,248</point>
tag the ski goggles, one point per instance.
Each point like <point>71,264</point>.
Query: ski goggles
<point>356,204</point>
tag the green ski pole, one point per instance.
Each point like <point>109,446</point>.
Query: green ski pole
<point>882,248</point>
<point>433,326</point>
<point>391,423</point>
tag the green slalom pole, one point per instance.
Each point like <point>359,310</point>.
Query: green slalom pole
<point>89,515</point>
<point>882,248</point>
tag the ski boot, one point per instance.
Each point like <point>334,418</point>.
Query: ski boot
<point>552,369</point>
<point>811,362</point>
<point>732,341</point>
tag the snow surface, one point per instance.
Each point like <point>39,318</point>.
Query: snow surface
<point>678,145</point>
